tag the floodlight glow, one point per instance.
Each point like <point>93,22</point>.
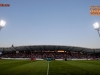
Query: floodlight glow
<point>96,25</point>
<point>2,23</point>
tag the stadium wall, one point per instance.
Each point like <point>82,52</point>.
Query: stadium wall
<point>41,59</point>
<point>22,58</point>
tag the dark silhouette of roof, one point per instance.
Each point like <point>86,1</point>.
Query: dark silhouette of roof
<point>49,47</point>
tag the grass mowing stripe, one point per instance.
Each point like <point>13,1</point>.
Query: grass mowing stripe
<point>32,68</point>
<point>90,67</point>
<point>12,64</point>
<point>9,61</point>
<point>93,62</point>
<point>62,68</point>
<point>86,64</point>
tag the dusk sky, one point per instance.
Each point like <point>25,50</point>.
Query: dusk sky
<point>49,22</point>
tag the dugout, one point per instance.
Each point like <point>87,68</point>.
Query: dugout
<point>49,59</point>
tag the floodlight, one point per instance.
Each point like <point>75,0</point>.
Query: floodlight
<point>97,27</point>
<point>2,24</point>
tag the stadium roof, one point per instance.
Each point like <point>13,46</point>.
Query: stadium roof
<point>48,47</point>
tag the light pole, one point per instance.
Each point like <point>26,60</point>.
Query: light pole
<point>2,24</point>
<point>97,27</point>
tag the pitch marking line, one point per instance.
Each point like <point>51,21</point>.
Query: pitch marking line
<point>48,69</point>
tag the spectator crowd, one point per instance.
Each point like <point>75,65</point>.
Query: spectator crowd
<point>44,55</point>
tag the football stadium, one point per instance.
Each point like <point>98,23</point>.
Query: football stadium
<point>49,37</point>
<point>49,60</point>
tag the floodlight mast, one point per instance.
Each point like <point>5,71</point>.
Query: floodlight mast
<point>2,24</point>
<point>99,33</point>
<point>0,28</point>
<point>97,27</point>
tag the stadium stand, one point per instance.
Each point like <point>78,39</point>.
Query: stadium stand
<point>44,51</point>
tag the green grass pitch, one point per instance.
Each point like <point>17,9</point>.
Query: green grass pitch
<point>27,67</point>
